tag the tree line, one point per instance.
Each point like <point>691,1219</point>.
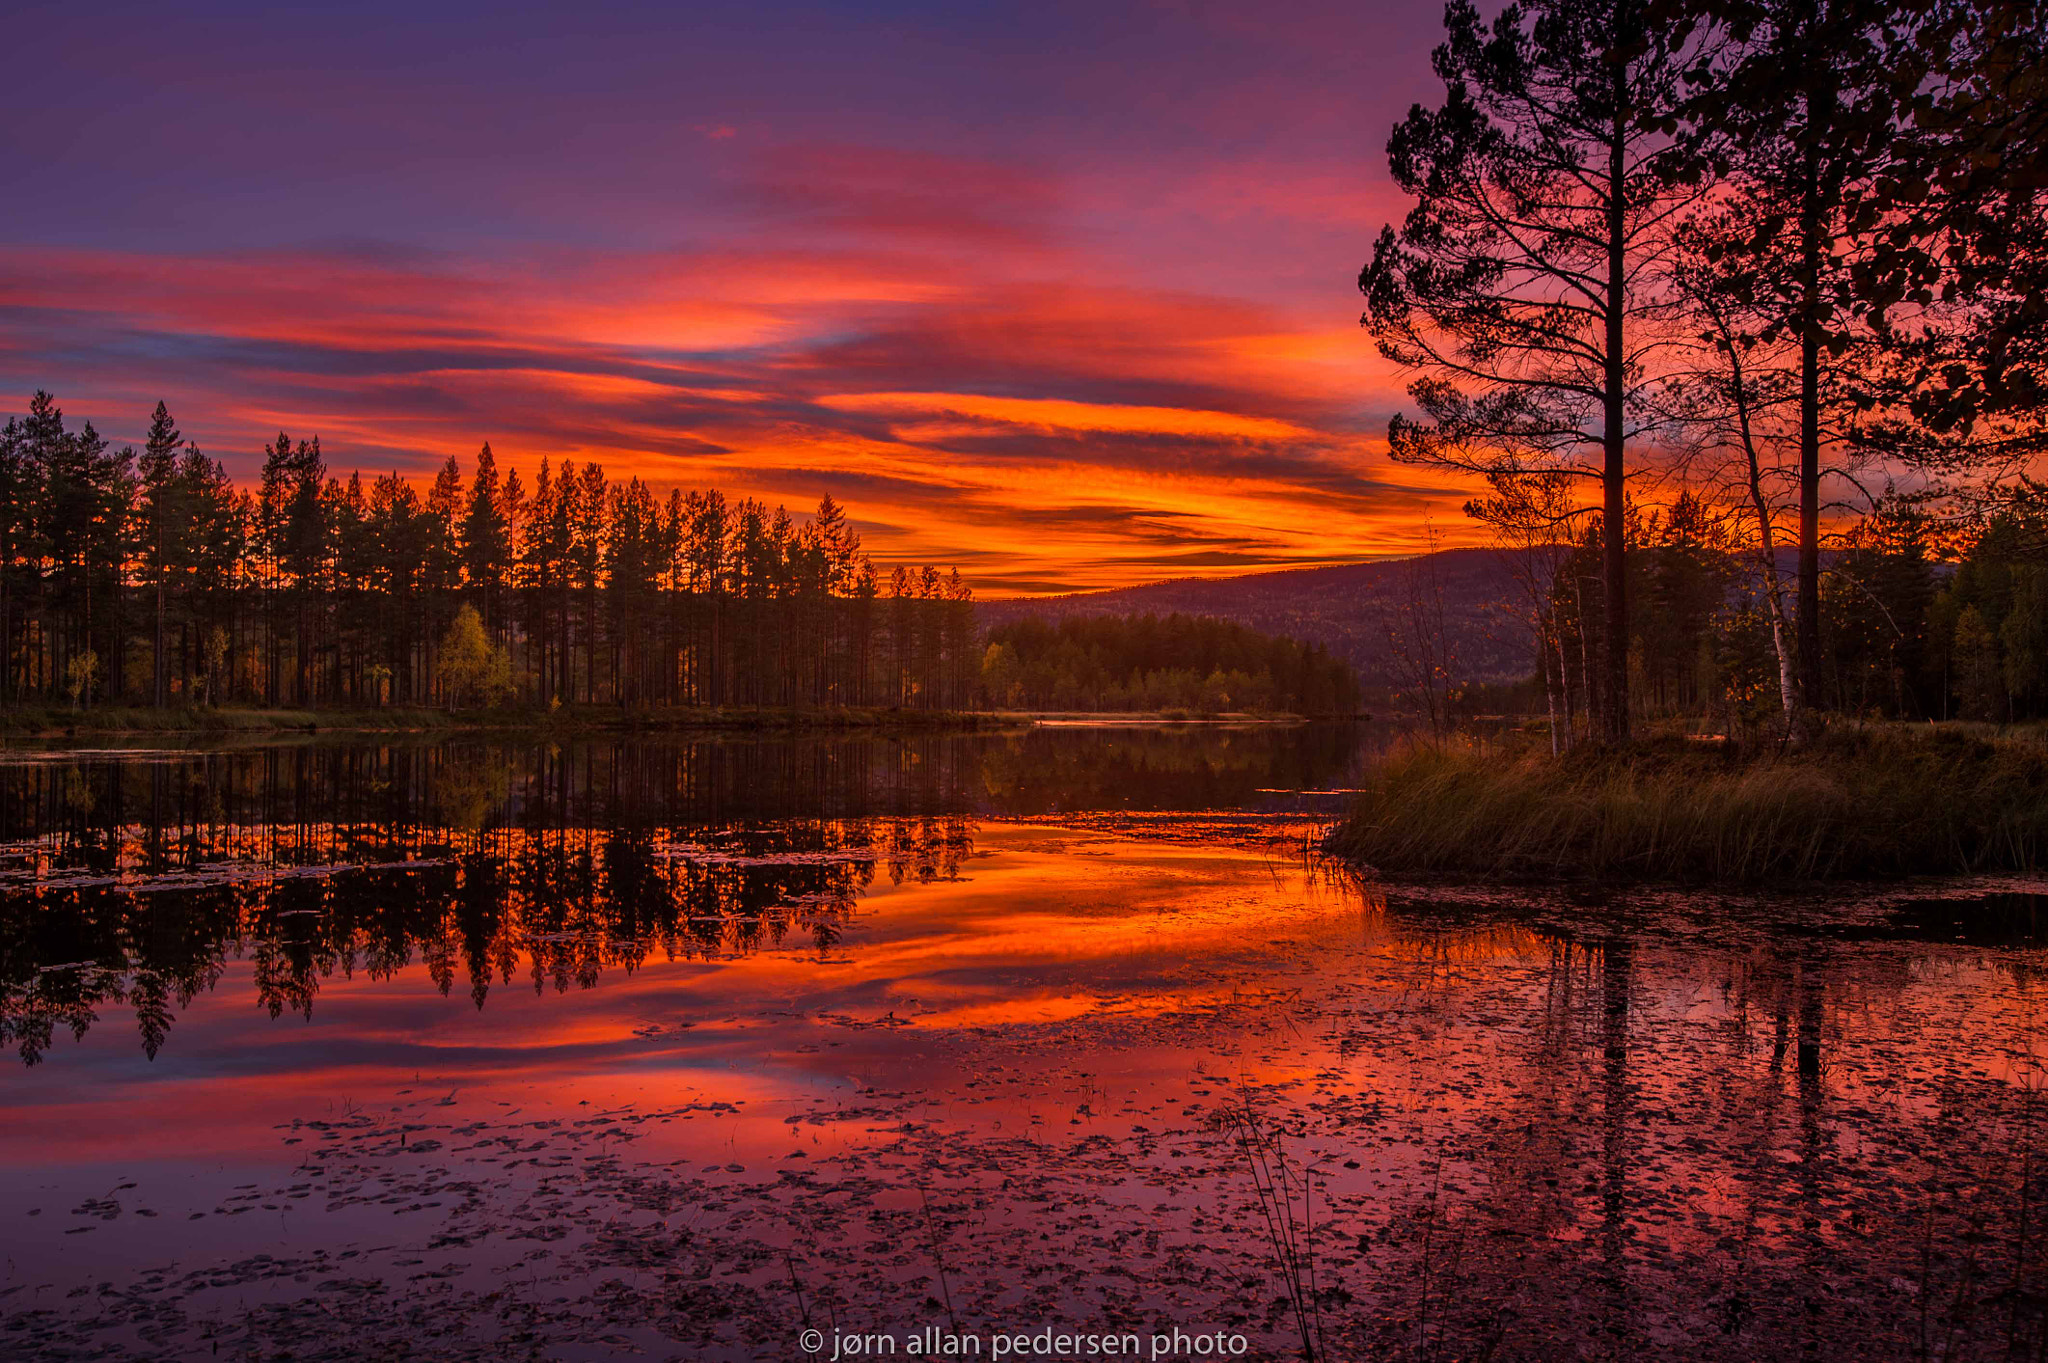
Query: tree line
<point>1144,662</point>
<point>1919,619</point>
<point>149,577</point>
<point>1739,307</point>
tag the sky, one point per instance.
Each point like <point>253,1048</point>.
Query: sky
<point>1061,294</point>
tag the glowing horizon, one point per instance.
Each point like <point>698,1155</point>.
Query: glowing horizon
<point>1066,322</point>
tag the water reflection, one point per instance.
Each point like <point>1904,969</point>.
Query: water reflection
<point>1751,1143</point>
<point>657,1046</point>
<point>128,880</point>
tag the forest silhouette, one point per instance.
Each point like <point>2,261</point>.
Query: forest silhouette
<point>151,578</point>
<point>1738,309</point>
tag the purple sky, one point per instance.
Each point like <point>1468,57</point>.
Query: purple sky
<point>1061,294</point>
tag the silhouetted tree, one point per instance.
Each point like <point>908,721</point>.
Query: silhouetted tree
<point>487,542</point>
<point>1523,287</point>
<point>316,589</point>
<point>1804,103</point>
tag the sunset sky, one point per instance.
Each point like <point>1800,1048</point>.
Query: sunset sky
<point>1061,294</point>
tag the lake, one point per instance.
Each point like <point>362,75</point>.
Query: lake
<point>959,1043</point>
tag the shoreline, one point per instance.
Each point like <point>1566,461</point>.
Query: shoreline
<point>396,720</point>
<point>121,721</point>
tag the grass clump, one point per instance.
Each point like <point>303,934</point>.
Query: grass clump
<point>1857,803</point>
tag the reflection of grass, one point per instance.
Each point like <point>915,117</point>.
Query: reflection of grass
<point>938,1256</point>
<point>1290,1232</point>
<point>1860,802</point>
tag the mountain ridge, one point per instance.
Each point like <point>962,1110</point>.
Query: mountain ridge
<point>1347,608</point>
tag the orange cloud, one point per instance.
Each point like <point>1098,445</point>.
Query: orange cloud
<point>921,343</point>
<point>1062,415</point>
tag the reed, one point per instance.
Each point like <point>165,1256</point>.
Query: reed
<point>1291,1233</point>
<point>1862,802</point>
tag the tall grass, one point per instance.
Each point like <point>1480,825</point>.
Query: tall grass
<point>1860,802</point>
<point>1291,1234</point>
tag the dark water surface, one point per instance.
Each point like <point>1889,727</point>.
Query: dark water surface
<point>676,1049</point>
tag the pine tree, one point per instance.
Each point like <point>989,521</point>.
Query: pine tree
<point>1804,103</point>
<point>486,542</point>
<point>165,520</point>
<point>312,588</point>
<point>588,504</point>
<point>17,513</point>
<point>1520,288</point>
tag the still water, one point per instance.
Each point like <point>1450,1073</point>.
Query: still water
<point>660,1048</point>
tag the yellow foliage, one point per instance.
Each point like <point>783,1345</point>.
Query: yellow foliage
<point>472,670</point>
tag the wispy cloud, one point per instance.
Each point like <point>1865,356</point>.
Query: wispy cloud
<point>1077,315</point>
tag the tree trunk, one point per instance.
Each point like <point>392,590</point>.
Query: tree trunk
<point>157,658</point>
<point>1809,507</point>
<point>1819,113</point>
<point>1791,690</point>
<point>1564,682</point>
<point>1549,687</point>
<point>1614,536</point>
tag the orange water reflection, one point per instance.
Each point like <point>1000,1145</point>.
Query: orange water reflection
<point>1005,1069</point>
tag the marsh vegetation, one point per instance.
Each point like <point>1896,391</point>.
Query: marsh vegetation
<point>1868,802</point>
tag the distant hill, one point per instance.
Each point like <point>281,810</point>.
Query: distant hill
<point>1344,608</point>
